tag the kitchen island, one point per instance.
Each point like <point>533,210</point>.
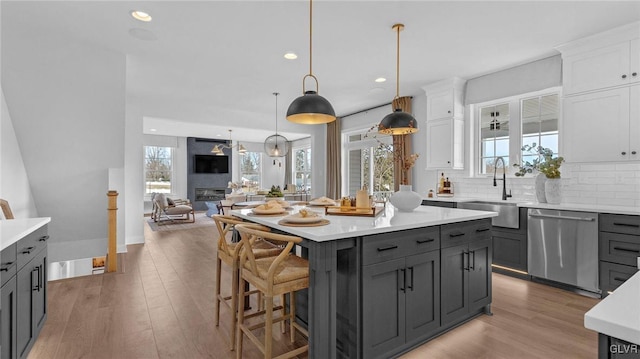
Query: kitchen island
<point>382,285</point>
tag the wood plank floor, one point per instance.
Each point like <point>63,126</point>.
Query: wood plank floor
<point>161,306</point>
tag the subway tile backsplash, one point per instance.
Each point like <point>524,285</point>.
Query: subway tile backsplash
<point>616,184</point>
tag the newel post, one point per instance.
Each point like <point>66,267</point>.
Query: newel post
<point>112,209</point>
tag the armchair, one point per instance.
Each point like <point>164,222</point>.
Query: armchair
<point>172,210</point>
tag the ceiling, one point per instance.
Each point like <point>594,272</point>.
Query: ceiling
<point>201,68</point>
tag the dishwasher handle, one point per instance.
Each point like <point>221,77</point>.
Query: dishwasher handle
<point>583,219</point>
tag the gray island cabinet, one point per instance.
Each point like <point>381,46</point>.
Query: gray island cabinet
<point>23,295</point>
<point>382,285</point>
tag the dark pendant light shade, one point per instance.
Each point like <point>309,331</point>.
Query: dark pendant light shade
<point>310,109</point>
<point>398,123</point>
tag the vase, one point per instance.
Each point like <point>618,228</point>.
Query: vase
<point>553,190</point>
<point>541,178</point>
<point>405,200</point>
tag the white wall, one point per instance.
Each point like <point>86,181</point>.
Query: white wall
<point>67,104</point>
<point>14,183</point>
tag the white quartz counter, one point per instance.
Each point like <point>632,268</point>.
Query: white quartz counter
<point>352,226</point>
<point>596,208</point>
<point>12,230</point>
<point>618,315</point>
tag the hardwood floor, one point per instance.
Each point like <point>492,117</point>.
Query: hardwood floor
<point>161,306</point>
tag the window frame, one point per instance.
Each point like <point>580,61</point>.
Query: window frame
<point>515,128</point>
<point>172,171</point>
<point>371,141</point>
<point>309,154</point>
<point>260,167</point>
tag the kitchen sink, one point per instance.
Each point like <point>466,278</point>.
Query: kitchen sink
<point>508,212</point>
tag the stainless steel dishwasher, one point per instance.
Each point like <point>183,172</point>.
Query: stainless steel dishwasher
<point>563,247</point>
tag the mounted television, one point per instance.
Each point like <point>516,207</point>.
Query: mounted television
<point>211,164</point>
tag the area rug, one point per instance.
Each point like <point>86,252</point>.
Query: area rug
<point>166,225</point>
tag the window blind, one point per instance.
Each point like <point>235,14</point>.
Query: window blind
<point>530,77</point>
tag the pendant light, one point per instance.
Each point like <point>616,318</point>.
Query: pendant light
<point>398,122</point>
<point>218,149</point>
<point>310,108</point>
<point>276,145</point>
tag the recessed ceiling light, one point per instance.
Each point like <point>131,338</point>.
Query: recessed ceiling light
<point>380,79</point>
<point>290,56</point>
<point>153,130</point>
<point>141,15</point>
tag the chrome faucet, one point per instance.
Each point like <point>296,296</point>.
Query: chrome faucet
<point>504,178</point>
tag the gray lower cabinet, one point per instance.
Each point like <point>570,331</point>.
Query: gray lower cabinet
<point>510,245</point>
<point>23,295</point>
<point>402,302</point>
<point>8,319</point>
<point>465,271</point>
<point>618,249</point>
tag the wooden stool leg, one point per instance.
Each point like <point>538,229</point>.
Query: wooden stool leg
<point>218,269</point>
<point>292,313</point>
<point>234,304</point>
<point>268,327</point>
<point>239,333</point>
<point>283,312</point>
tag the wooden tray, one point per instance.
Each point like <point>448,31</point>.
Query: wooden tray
<point>353,211</point>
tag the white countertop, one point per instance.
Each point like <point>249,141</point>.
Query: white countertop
<point>352,226</point>
<point>12,230</point>
<point>597,208</point>
<point>618,315</point>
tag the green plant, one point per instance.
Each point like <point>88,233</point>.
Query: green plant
<point>545,163</point>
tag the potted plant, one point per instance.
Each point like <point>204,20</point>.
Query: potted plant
<point>548,169</point>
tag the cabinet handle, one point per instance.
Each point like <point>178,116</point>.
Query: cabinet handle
<point>618,279</point>
<point>624,76</point>
<point>623,153</point>
<point>472,267</point>
<point>449,111</point>
<point>633,152</point>
<point>482,229</point>
<point>41,277</point>
<point>6,267</point>
<point>387,248</point>
<point>626,224</point>
<point>634,74</point>
<point>34,281</point>
<point>422,241</point>
<point>626,250</point>
<point>402,279</point>
<point>410,278</point>
<point>452,235</point>
<point>44,238</point>
<point>28,250</point>
<point>465,255</point>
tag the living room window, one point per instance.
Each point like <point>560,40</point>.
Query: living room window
<point>302,168</point>
<point>158,169</point>
<point>505,125</point>
<point>251,169</point>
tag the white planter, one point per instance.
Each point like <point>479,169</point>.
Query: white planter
<point>405,200</point>
<point>541,178</point>
<point>553,190</point>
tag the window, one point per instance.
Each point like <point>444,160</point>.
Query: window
<point>250,169</point>
<point>302,168</point>
<point>158,169</point>
<point>504,126</point>
<point>369,162</point>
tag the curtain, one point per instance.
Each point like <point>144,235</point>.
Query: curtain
<point>334,181</point>
<point>288,165</point>
<point>401,145</point>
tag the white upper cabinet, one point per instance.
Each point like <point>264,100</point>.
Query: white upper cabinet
<point>601,61</point>
<point>445,124</point>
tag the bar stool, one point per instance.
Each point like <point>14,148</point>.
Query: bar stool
<point>286,273</point>
<point>228,253</point>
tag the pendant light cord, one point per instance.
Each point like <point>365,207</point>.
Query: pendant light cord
<point>310,37</point>
<point>276,95</point>
<point>398,27</point>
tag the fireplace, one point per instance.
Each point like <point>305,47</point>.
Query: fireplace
<point>209,194</point>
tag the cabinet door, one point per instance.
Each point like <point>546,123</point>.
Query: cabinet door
<point>594,70</point>
<point>8,319</point>
<point>423,294</point>
<point>510,250</point>
<point>383,307</point>
<point>39,293</point>
<point>479,284</point>
<point>634,123</point>
<point>439,143</point>
<point>454,277</point>
<point>27,281</point>
<point>441,104</point>
<point>596,126</point>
